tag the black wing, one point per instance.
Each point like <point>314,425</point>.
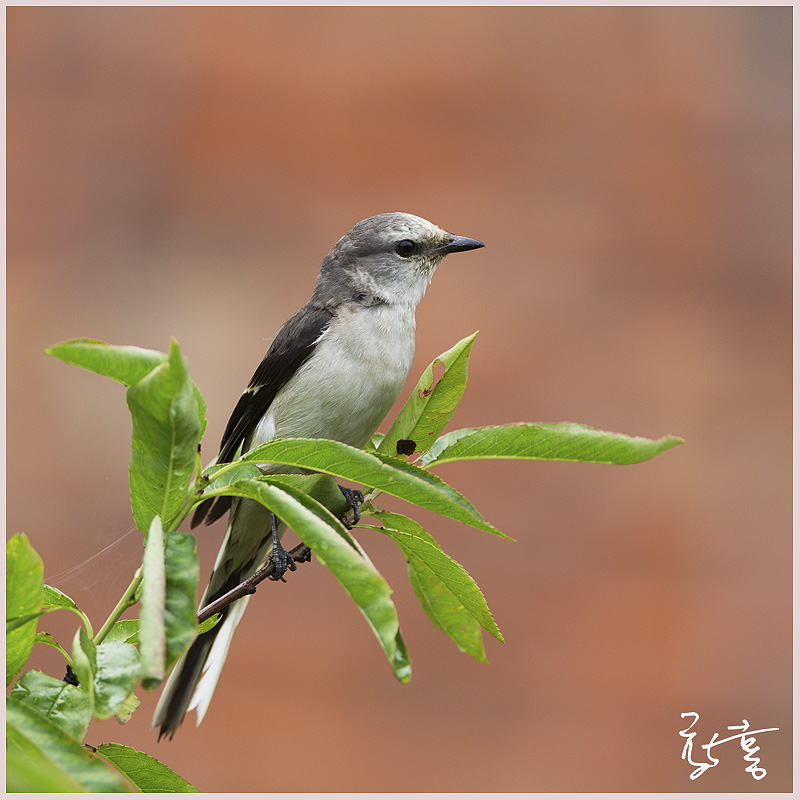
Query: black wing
<point>290,348</point>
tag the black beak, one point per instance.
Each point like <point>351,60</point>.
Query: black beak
<point>457,244</point>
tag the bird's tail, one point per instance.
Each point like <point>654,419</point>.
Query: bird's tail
<point>191,684</point>
<point>245,549</point>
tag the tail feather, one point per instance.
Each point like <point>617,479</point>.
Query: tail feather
<point>180,685</point>
<point>194,678</point>
<point>215,659</point>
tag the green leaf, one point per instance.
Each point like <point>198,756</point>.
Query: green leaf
<point>18,622</point>
<point>166,432</point>
<point>24,594</point>
<point>563,441</point>
<point>222,475</point>
<point>360,579</point>
<point>218,476</point>
<point>35,732</point>
<point>48,639</point>
<point>55,599</point>
<point>322,488</point>
<point>29,770</point>
<point>116,676</point>
<point>432,402</point>
<point>168,621</point>
<point>180,612</point>
<point>63,704</point>
<point>124,630</point>
<point>447,593</point>
<point>84,662</point>
<point>209,623</point>
<point>321,495</point>
<point>152,634</point>
<point>146,773</point>
<point>125,711</point>
<point>127,365</point>
<point>391,475</point>
<point>201,413</point>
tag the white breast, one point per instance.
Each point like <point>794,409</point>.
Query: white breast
<point>351,381</point>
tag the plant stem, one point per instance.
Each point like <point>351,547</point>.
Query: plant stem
<point>86,623</point>
<point>300,553</point>
<point>126,601</point>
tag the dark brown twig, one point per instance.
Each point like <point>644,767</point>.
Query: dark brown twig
<point>300,554</point>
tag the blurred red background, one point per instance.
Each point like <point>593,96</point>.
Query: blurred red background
<point>181,172</point>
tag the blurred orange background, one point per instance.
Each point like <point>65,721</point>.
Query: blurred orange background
<point>181,172</point>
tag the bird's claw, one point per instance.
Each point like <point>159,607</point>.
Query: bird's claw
<point>354,500</point>
<point>282,561</point>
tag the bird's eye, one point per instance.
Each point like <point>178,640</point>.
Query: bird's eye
<point>406,248</point>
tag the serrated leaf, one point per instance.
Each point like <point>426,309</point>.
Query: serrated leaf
<point>180,609</point>
<point>124,630</point>
<point>115,678</point>
<point>359,578</point>
<point>447,593</point>
<point>444,610</point>
<point>323,488</point>
<point>55,745</point>
<point>152,635</point>
<point>432,403</point>
<point>321,495</point>
<point>28,770</point>
<point>24,594</point>
<point>166,432</point>
<point>55,598</point>
<point>47,638</point>
<point>562,441</point>
<point>399,522</point>
<point>65,705</point>
<point>145,773</point>
<point>391,475</point>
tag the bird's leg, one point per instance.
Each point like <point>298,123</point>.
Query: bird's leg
<point>281,559</point>
<point>354,500</point>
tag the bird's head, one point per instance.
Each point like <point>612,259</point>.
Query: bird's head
<point>388,258</point>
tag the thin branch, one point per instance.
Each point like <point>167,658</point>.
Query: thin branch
<point>126,601</point>
<point>300,554</point>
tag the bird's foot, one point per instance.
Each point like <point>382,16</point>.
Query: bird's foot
<point>354,500</point>
<point>282,560</point>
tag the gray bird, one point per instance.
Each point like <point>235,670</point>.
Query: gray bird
<point>333,371</point>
